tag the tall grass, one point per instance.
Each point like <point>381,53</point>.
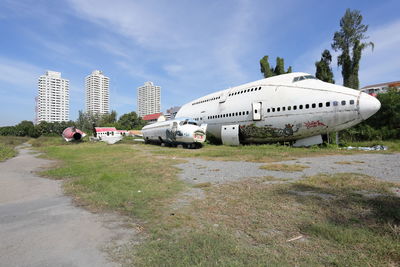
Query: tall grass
<point>8,144</point>
<point>115,177</point>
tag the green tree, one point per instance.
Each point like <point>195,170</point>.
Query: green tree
<point>25,128</point>
<point>108,119</point>
<point>280,66</point>
<point>269,71</point>
<point>323,68</point>
<point>131,121</point>
<point>348,40</point>
<point>265,67</point>
<point>86,121</point>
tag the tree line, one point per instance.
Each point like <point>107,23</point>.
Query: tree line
<point>85,122</point>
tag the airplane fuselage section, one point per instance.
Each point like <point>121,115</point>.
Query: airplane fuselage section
<point>281,109</point>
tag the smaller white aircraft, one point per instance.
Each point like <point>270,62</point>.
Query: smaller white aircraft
<point>110,135</point>
<point>182,131</point>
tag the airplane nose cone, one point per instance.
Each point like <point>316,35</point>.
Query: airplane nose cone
<point>369,105</point>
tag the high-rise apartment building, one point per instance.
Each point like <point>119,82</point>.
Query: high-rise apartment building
<point>52,102</point>
<point>148,99</point>
<point>97,93</point>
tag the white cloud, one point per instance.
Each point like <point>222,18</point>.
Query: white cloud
<point>383,63</point>
<point>110,47</point>
<point>19,74</point>
<point>161,30</point>
<point>173,69</point>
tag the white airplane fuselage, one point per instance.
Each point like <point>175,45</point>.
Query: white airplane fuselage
<point>175,132</point>
<point>287,107</point>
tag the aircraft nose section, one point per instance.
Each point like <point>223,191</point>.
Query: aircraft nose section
<point>369,105</point>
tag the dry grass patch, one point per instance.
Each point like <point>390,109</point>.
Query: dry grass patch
<point>8,144</point>
<point>349,162</point>
<point>202,185</point>
<point>284,167</point>
<point>250,222</point>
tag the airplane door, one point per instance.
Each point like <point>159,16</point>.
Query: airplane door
<point>256,111</point>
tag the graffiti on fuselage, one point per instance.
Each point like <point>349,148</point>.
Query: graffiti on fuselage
<point>313,124</point>
<point>171,135</point>
<point>267,131</point>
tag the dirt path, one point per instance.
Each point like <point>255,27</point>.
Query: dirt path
<point>39,226</point>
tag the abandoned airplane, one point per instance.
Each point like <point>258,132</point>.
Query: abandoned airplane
<point>175,132</point>
<point>294,107</point>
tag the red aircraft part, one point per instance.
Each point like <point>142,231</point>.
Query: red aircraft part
<point>72,133</point>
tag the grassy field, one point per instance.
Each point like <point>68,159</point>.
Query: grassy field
<point>8,144</point>
<point>319,221</point>
<point>336,220</point>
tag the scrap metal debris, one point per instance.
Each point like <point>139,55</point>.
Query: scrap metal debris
<point>364,148</point>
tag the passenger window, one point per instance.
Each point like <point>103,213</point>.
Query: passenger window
<point>252,89</point>
<point>328,104</point>
<point>307,106</point>
<point>259,88</point>
<point>268,110</point>
<point>289,108</point>
<point>294,107</point>
<point>278,109</point>
<point>335,103</point>
<point>320,105</point>
<point>343,102</point>
<point>313,105</point>
<point>283,108</point>
<point>247,112</point>
<point>351,102</point>
<point>301,107</point>
<point>237,113</point>
<point>273,109</point>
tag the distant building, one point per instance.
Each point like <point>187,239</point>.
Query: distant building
<point>52,102</point>
<point>148,99</point>
<point>380,87</point>
<point>151,118</point>
<point>97,93</point>
<point>171,113</point>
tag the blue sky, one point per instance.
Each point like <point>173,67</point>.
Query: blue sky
<point>189,48</point>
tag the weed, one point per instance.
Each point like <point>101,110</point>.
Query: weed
<point>202,185</point>
<point>284,167</point>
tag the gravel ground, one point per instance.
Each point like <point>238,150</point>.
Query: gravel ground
<point>39,226</point>
<point>381,166</point>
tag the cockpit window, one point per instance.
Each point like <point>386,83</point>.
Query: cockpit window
<point>300,78</point>
<point>187,122</point>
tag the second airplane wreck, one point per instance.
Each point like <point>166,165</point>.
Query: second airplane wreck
<point>293,107</point>
<point>183,131</point>
<point>110,135</point>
